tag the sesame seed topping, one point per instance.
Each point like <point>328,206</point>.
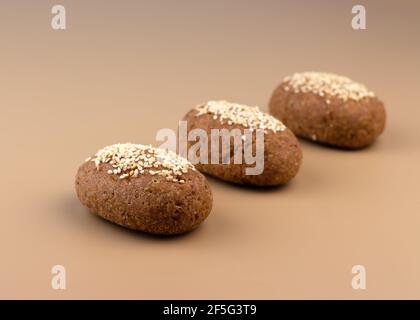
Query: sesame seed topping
<point>129,160</point>
<point>327,84</point>
<point>234,113</point>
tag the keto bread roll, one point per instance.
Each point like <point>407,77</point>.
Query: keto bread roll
<point>329,109</point>
<point>144,188</point>
<point>281,156</point>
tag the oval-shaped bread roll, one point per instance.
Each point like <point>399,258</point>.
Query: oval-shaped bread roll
<point>329,109</point>
<point>144,188</point>
<point>281,156</point>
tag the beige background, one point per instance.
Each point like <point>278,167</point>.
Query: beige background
<point>122,71</point>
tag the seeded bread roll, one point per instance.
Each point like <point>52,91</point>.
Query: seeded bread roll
<point>282,155</point>
<point>144,188</point>
<point>329,109</point>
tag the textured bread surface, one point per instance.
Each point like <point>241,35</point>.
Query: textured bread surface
<point>282,154</point>
<point>328,118</point>
<point>149,203</point>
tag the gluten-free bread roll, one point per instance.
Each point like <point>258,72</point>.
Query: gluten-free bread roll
<point>329,109</point>
<point>144,188</point>
<point>280,151</point>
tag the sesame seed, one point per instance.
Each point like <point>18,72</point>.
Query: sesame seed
<point>246,116</point>
<point>125,160</point>
<point>327,84</point>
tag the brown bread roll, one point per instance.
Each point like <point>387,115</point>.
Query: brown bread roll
<point>144,188</point>
<point>282,155</point>
<point>329,109</point>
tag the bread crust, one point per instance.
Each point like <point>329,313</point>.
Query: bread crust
<point>282,154</point>
<point>147,202</point>
<point>349,124</point>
